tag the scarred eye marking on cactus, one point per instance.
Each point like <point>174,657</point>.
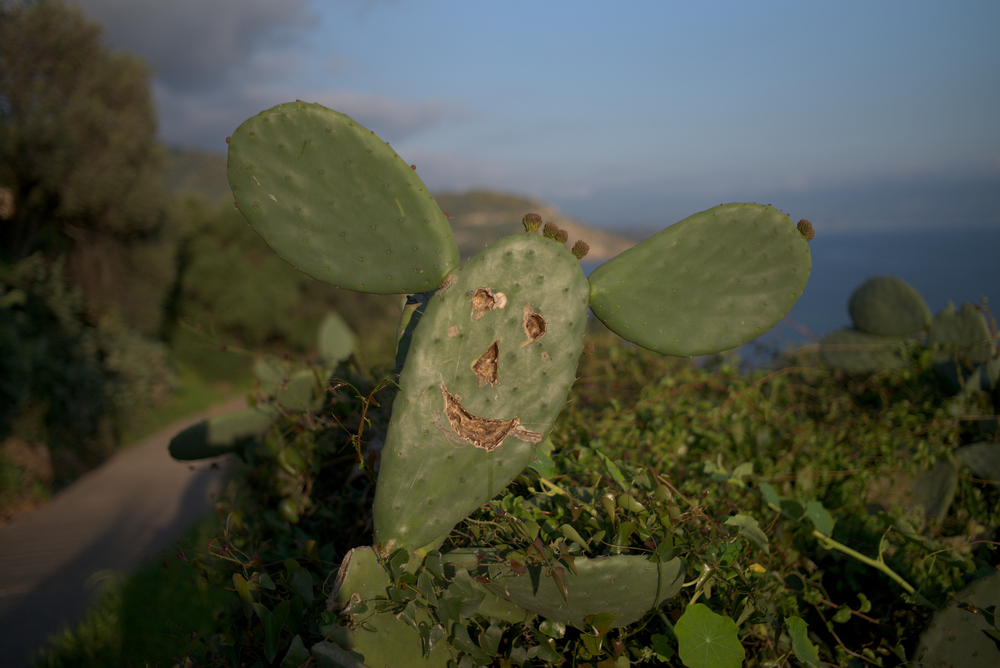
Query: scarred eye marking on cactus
<point>484,300</point>
<point>534,325</point>
<point>485,367</point>
<point>452,331</point>
<point>484,433</point>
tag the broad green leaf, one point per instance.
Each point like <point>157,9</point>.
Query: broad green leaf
<point>296,655</point>
<point>662,646</point>
<point>804,650</point>
<point>750,530</point>
<point>820,517</point>
<point>489,640</point>
<point>552,629</point>
<point>301,583</point>
<point>272,622</point>
<point>613,470</point>
<point>770,495</point>
<point>708,640</point>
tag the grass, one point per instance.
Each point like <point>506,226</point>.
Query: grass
<point>147,618</point>
<point>196,393</point>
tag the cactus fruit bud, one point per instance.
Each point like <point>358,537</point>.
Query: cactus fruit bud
<point>806,229</point>
<point>550,230</point>
<point>562,236</point>
<point>580,249</point>
<point>531,221</point>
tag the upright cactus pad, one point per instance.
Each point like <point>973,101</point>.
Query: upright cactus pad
<point>962,334</point>
<point>706,284</point>
<point>888,306</point>
<point>335,341</point>
<point>487,372</point>
<point>335,201</point>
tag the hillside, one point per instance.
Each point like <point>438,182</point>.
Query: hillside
<point>478,218</point>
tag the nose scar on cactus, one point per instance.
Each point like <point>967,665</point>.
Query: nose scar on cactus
<point>484,433</point>
<point>534,325</point>
<point>485,367</point>
<point>484,301</point>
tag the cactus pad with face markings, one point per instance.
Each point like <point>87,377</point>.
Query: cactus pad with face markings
<point>487,372</point>
<point>706,284</point>
<point>336,202</point>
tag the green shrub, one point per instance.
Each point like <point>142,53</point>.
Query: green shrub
<point>772,486</point>
<point>68,382</point>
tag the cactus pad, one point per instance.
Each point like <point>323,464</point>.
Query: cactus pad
<point>336,202</point>
<point>888,306</point>
<point>706,284</point>
<point>488,371</point>
<point>960,635</point>
<point>336,340</point>
<point>224,433</point>
<point>628,586</point>
<point>963,334</point>
<point>855,351</point>
<point>373,639</point>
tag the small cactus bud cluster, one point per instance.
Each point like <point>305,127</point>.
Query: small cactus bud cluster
<point>580,249</point>
<point>806,229</point>
<point>531,222</point>
<point>550,230</point>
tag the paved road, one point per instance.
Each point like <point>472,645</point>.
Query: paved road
<point>115,517</point>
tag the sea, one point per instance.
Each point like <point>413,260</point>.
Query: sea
<point>958,265</point>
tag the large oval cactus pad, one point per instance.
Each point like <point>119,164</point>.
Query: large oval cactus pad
<point>487,372</point>
<point>336,202</point>
<point>706,284</point>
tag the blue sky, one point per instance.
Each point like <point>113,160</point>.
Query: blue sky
<point>630,114</point>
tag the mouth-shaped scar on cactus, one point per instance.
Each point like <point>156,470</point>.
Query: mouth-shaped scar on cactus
<point>485,367</point>
<point>534,325</point>
<point>484,301</point>
<point>484,433</point>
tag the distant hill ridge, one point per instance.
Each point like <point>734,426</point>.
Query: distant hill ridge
<point>478,218</point>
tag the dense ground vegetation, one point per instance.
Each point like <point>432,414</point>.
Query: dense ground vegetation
<point>773,485</point>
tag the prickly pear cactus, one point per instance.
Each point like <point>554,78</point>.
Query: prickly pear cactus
<point>371,637</point>
<point>337,202</point>
<point>626,586</point>
<point>708,283</point>
<point>487,372</point>
<point>965,633</point>
<point>487,352</point>
<point>888,306</point>
<point>855,351</point>
<point>223,434</point>
<point>885,311</point>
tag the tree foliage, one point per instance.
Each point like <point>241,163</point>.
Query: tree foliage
<point>79,158</point>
